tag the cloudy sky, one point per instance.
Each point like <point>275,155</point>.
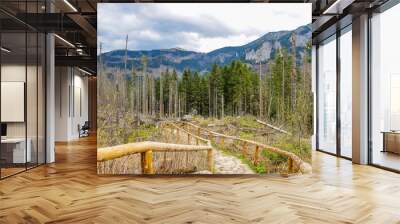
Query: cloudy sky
<point>197,27</point>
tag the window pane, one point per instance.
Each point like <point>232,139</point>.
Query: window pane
<point>385,86</point>
<point>327,96</point>
<point>346,94</point>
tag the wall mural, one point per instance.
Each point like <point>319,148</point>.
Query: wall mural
<point>204,88</point>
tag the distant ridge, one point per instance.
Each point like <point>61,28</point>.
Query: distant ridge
<point>262,49</point>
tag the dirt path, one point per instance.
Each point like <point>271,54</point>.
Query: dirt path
<point>223,164</point>
<point>226,164</point>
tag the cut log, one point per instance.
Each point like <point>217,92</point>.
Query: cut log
<point>274,127</point>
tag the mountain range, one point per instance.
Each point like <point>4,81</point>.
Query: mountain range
<point>262,50</point>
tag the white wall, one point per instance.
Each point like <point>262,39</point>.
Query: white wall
<point>80,88</point>
<point>70,83</point>
<point>62,81</point>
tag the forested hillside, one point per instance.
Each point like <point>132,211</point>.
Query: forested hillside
<point>262,50</point>
<point>281,95</point>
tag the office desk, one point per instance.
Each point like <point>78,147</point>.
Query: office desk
<point>13,150</point>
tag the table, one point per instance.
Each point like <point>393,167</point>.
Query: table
<point>391,141</point>
<point>13,150</point>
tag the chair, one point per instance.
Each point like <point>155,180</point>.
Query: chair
<point>84,130</point>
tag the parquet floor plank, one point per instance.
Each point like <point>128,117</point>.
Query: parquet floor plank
<point>69,191</point>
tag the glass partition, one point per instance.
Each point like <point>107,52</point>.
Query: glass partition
<point>22,88</point>
<point>14,153</point>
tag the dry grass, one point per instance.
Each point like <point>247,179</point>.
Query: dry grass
<point>268,162</point>
<point>179,162</point>
<point>130,164</point>
<point>163,162</point>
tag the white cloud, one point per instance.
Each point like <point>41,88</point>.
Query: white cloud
<point>194,26</point>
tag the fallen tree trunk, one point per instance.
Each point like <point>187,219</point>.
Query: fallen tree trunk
<point>274,127</point>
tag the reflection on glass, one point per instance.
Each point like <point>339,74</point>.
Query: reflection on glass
<point>394,102</point>
<point>385,92</point>
<point>41,99</point>
<point>14,153</point>
<point>22,91</point>
<point>327,96</point>
<point>346,94</point>
<point>31,101</point>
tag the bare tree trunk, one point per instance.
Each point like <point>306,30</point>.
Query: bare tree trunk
<point>132,93</point>
<point>260,95</point>
<point>280,116</point>
<point>293,81</point>
<point>149,91</point>
<point>270,95</point>
<point>170,100</point>
<point>305,70</point>
<point>215,102</point>
<point>153,96</point>
<point>222,106</point>
<point>145,83</point>
<point>126,94</point>
<point>118,95</point>
<point>176,98</point>
<point>179,106</point>
<point>161,97</point>
<point>209,99</point>
<point>139,95</point>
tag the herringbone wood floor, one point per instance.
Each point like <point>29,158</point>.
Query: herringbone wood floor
<point>69,191</point>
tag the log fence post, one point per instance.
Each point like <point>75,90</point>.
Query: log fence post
<point>290,165</point>
<point>210,160</point>
<point>256,152</point>
<point>244,149</point>
<point>149,162</point>
<point>143,162</point>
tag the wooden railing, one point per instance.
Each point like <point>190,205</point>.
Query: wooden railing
<point>146,150</point>
<point>176,131</point>
<point>294,162</point>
